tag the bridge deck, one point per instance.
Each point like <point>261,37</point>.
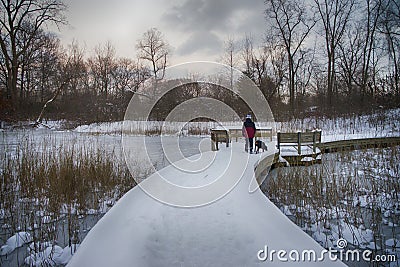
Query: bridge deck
<point>142,231</point>
<point>308,151</point>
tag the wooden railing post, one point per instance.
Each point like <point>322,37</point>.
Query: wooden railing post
<point>213,148</point>
<point>299,142</point>
<point>279,141</point>
<point>314,141</point>
<point>319,136</point>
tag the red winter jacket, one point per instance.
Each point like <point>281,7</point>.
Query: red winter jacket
<point>249,128</point>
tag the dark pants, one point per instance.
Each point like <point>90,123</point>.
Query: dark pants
<point>249,142</point>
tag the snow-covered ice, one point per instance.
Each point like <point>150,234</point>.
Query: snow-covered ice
<point>141,231</point>
<point>16,241</point>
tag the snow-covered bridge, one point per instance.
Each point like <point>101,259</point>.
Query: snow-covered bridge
<point>234,230</point>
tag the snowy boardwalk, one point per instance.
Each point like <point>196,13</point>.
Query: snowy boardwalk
<point>141,231</point>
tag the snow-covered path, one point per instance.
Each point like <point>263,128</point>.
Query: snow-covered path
<point>141,231</point>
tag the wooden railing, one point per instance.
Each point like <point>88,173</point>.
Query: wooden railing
<point>217,136</point>
<point>300,138</point>
<point>260,133</point>
<point>228,134</point>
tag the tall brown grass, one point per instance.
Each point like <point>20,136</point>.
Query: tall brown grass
<point>47,184</point>
<point>331,193</point>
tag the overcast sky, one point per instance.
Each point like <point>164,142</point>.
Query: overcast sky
<point>195,29</point>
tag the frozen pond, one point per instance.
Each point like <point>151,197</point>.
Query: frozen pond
<point>43,139</point>
<point>39,142</point>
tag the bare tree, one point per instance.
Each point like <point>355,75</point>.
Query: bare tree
<point>20,22</point>
<point>102,65</point>
<point>304,72</point>
<point>65,74</point>
<point>78,68</point>
<point>372,10</point>
<point>69,79</point>
<point>153,48</point>
<point>247,54</point>
<point>39,68</point>
<point>291,23</point>
<point>389,27</point>
<point>128,76</point>
<point>335,16</point>
<point>349,59</point>
<point>276,54</point>
<point>264,65</point>
<point>230,56</point>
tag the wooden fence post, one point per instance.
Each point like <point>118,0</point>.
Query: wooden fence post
<point>279,141</point>
<point>213,148</point>
<point>314,141</point>
<point>299,142</point>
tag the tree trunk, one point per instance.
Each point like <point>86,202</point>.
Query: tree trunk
<point>291,85</point>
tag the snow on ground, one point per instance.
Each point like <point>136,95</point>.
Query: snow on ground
<point>16,241</point>
<point>141,231</point>
<point>292,150</point>
<point>52,255</point>
<point>381,124</point>
<point>105,127</point>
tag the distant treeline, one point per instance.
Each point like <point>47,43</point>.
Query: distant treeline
<point>321,58</point>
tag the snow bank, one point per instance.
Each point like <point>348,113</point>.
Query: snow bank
<point>52,255</point>
<point>16,241</point>
<point>104,127</point>
<point>43,254</point>
<point>292,151</point>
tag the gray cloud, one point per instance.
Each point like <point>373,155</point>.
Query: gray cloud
<point>196,29</point>
<point>200,15</point>
<point>200,41</point>
<point>209,22</point>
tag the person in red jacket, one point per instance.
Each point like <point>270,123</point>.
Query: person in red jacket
<point>249,130</point>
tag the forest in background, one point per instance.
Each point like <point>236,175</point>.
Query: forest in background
<point>320,58</point>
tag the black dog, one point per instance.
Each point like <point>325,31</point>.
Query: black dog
<point>260,145</point>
